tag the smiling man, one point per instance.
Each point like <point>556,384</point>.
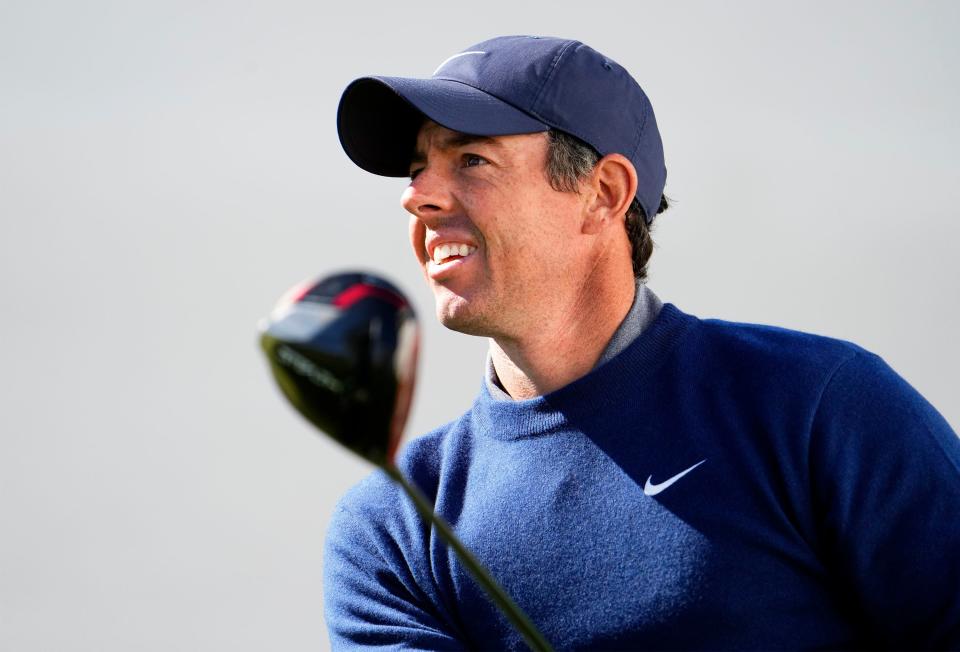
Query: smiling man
<point>511,258</point>
<point>634,476</point>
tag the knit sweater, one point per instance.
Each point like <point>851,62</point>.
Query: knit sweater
<point>715,485</point>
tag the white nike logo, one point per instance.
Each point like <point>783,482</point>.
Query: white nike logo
<point>462,54</point>
<point>651,489</point>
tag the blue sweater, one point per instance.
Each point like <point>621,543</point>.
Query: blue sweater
<point>715,485</point>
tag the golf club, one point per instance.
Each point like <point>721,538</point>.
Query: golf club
<point>343,350</point>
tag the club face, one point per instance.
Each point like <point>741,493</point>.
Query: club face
<point>343,350</point>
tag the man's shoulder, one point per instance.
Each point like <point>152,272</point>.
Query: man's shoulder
<point>420,460</point>
<point>746,343</point>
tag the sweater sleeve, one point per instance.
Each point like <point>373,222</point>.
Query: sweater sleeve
<point>885,477</point>
<point>371,598</point>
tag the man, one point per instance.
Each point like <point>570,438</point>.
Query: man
<point>635,477</point>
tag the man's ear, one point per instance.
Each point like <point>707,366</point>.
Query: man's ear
<point>612,186</point>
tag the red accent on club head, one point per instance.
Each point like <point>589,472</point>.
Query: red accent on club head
<point>301,291</point>
<point>360,291</point>
<point>295,294</point>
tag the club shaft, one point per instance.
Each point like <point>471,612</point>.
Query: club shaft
<point>504,602</point>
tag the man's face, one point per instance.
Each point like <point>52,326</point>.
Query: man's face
<point>495,240</point>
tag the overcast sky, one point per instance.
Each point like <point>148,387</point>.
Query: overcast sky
<point>168,169</point>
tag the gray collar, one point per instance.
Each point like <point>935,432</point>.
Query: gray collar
<point>646,306</point>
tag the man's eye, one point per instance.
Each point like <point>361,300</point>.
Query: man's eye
<point>472,160</point>
<point>414,173</point>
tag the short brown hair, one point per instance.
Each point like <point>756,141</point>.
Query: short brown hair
<point>569,160</point>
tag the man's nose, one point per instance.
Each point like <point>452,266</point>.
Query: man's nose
<point>428,195</point>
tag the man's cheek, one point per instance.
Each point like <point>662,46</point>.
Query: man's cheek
<point>417,238</point>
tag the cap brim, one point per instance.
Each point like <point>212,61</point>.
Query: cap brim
<point>379,117</point>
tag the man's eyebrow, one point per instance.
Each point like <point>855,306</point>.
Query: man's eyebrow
<point>453,141</point>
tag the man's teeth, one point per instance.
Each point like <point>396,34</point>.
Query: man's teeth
<point>444,251</point>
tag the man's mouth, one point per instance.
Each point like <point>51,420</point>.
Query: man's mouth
<point>451,251</point>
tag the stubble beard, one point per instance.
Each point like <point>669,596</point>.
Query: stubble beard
<point>458,314</point>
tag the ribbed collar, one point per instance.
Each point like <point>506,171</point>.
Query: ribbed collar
<point>604,386</point>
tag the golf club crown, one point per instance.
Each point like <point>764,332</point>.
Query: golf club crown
<point>343,350</point>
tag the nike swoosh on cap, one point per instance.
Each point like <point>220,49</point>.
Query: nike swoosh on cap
<point>449,59</point>
<point>652,489</point>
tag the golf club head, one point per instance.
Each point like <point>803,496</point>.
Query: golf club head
<point>343,350</point>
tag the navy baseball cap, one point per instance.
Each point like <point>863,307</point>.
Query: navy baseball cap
<point>508,85</point>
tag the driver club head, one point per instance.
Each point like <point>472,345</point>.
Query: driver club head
<point>343,350</point>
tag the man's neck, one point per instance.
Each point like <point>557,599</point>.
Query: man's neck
<point>557,355</point>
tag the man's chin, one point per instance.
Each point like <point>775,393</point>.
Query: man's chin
<point>457,314</point>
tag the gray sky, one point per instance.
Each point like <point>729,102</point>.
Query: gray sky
<point>168,169</point>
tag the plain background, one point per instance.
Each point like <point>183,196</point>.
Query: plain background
<point>168,169</point>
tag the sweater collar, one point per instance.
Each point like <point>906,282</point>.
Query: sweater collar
<point>603,387</point>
